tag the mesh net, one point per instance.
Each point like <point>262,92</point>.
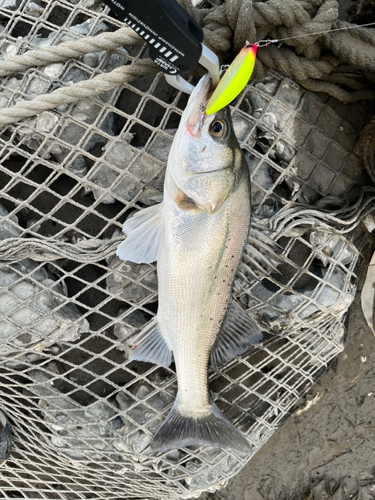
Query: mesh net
<point>82,413</point>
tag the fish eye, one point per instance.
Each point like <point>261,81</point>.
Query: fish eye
<point>218,128</point>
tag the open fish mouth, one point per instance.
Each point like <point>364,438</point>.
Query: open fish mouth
<point>194,113</point>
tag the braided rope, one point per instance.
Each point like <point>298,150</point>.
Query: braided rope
<point>326,15</point>
<point>365,34</point>
<point>274,13</point>
<point>241,22</point>
<point>90,251</point>
<point>81,90</point>
<point>286,61</point>
<point>336,91</point>
<point>342,79</point>
<point>365,148</point>
<point>355,47</point>
<point>69,50</point>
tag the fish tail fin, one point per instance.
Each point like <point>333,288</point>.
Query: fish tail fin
<point>211,429</point>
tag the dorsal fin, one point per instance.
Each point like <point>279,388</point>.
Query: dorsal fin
<point>144,234</point>
<point>238,333</point>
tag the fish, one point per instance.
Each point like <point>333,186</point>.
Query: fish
<point>197,235</point>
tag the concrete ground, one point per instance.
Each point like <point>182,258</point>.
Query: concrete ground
<point>326,449</point>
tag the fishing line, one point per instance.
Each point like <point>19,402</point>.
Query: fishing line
<point>238,73</point>
<point>264,43</point>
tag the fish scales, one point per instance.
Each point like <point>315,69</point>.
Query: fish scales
<point>197,235</point>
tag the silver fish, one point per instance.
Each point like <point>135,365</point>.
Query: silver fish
<point>197,235</point>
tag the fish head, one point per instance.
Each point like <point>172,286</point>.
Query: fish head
<point>205,161</point>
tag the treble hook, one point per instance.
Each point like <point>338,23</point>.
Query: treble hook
<point>223,69</point>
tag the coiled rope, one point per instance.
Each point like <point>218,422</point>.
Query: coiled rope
<point>226,27</point>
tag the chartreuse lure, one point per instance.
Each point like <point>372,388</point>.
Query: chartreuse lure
<point>234,80</point>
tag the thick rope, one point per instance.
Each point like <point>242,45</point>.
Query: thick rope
<point>326,15</point>
<point>240,20</point>
<point>365,148</point>
<point>355,47</point>
<point>218,38</point>
<point>288,63</point>
<point>90,251</point>
<point>246,20</point>
<point>273,13</point>
<point>69,50</point>
<point>236,14</point>
<point>342,79</point>
<point>81,90</point>
<point>336,91</point>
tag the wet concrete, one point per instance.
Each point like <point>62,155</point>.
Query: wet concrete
<point>326,449</point>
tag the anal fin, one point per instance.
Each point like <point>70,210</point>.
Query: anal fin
<point>238,333</point>
<point>150,346</point>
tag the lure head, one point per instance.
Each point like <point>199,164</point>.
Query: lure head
<point>234,80</point>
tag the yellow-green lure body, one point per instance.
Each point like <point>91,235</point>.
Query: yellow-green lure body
<point>234,80</point>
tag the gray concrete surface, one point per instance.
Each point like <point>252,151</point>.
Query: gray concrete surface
<point>326,449</point>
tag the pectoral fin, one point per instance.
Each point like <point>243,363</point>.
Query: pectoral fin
<point>144,234</point>
<point>238,333</point>
<point>150,346</point>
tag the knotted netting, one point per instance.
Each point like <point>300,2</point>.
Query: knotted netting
<point>82,414</point>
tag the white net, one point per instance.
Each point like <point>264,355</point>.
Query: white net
<point>82,414</point>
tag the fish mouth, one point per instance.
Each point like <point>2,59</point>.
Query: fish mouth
<point>194,113</point>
